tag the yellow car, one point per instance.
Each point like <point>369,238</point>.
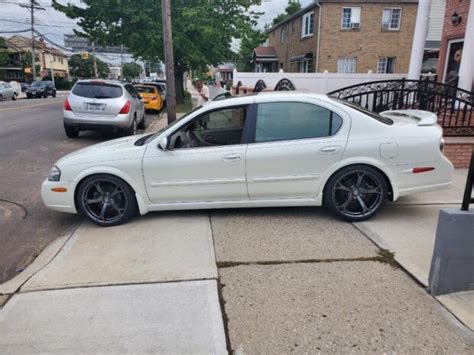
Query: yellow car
<point>151,97</point>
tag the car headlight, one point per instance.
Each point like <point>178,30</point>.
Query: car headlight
<point>54,174</point>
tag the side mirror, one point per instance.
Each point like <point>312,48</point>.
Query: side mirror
<point>163,143</point>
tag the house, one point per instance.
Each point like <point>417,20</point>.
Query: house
<point>345,36</point>
<point>456,59</point>
<point>48,58</point>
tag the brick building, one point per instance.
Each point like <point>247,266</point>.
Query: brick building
<point>453,38</point>
<point>349,36</point>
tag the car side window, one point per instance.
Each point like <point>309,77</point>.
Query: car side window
<point>131,90</point>
<point>216,128</point>
<point>279,121</point>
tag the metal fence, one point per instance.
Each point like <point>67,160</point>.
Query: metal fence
<point>453,106</point>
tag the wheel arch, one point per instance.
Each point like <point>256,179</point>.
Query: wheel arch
<point>117,173</point>
<point>389,178</point>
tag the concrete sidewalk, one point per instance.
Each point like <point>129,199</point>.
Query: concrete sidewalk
<point>146,286</point>
<point>408,228</point>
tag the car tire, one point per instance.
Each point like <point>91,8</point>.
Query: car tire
<point>45,95</point>
<point>132,130</point>
<point>53,94</point>
<point>14,96</point>
<point>28,96</point>
<point>106,200</point>
<point>1,97</point>
<point>70,131</point>
<point>142,123</point>
<point>356,193</point>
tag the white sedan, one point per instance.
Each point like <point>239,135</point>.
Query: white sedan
<point>266,150</point>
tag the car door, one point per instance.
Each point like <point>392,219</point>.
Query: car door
<point>204,160</point>
<point>294,144</point>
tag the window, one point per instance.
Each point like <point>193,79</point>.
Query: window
<point>278,121</point>
<point>386,65</point>
<point>307,24</point>
<point>283,33</point>
<point>391,19</point>
<point>216,128</point>
<point>350,18</point>
<point>304,66</point>
<point>97,90</point>
<point>346,65</point>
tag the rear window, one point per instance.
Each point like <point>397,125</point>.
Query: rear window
<point>359,108</point>
<point>145,89</point>
<point>97,90</point>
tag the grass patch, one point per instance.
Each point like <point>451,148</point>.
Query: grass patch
<point>186,105</point>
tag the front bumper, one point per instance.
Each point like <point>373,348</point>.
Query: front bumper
<point>58,201</point>
<point>35,94</point>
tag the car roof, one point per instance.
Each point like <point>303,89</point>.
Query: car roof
<point>105,81</point>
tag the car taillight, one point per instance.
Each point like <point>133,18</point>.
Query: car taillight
<point>153,97</point>
<point>67,106</point>
<point>126,107</point>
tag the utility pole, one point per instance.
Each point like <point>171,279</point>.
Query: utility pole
<point>96,75</point>
<point>52,69</point>
<point>169,61</point>
<point>32,7</point>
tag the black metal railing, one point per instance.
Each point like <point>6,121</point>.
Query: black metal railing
<point>453,106</point>
<point>468,199</point>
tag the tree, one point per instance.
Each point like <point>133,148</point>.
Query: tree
<point>4,56</point>
<point>250,40</point>
<point>26,62</point>
<point>292,8</point>
<point>131,70</point>
<point>202,30</point>
<point>84,68</point>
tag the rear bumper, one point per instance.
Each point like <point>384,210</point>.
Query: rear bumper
<point>58,201</point>
<point>98,122</point>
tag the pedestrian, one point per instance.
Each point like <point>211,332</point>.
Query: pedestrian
<point>203,91</point>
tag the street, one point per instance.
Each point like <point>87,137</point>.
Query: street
<point>31,139</point>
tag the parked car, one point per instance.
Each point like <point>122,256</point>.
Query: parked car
<point>161,86</point>
<point>151,97</point>
<point>41,89</point>
<point>266,150</point>
<point>24,87</point>
<point>16,88</point>
<point>6,91</point>
<point>103,105</point>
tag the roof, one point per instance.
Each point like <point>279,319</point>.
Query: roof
<point>265,51</point>
<point>295,15</point>
<point>20,42</point>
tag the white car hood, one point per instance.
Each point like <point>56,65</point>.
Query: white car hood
<point>121,148</point>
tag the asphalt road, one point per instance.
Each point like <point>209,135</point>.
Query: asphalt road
<point>31,140</point>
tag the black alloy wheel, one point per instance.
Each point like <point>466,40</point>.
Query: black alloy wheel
<point>356,193</point>
<point>106,200</point>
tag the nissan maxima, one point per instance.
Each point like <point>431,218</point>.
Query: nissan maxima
<point>265,150</point>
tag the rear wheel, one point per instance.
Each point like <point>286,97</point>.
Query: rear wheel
<point>132,130</point>
<point>14,96</point>
<point>54,94</point>
<point>45,95</point>
<point>141,125</point>
<point>356,193</point>
<point>106,200</point>
<point>70,131</point>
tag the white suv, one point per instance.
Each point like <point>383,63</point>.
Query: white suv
<point>103,105</point>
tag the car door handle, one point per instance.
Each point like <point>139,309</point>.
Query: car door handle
<point>329,150</point>
<point>232,157</point>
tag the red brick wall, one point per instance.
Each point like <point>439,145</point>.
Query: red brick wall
<point>461,7</point>
<point>459,154</point>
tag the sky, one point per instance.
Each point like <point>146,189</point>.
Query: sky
<point>54,24</point>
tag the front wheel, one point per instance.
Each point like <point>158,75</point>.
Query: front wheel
<point>54,94</point>
<point>106,200</point>
<point>356,193</point>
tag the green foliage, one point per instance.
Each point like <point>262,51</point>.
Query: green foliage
<point>60,83</point>
<point>202,30</point>
<point>26,61</point>
<point>84,68</point>
<point>4,56</point>
<point>292,8</point>
<point>186,104</point>
<point>131,70</point>
<point>250,40</point>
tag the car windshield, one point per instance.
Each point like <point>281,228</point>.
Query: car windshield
<point>356,107</point>
<point>145,89</point>
<point>37,84</point>
<point>97,90</point>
